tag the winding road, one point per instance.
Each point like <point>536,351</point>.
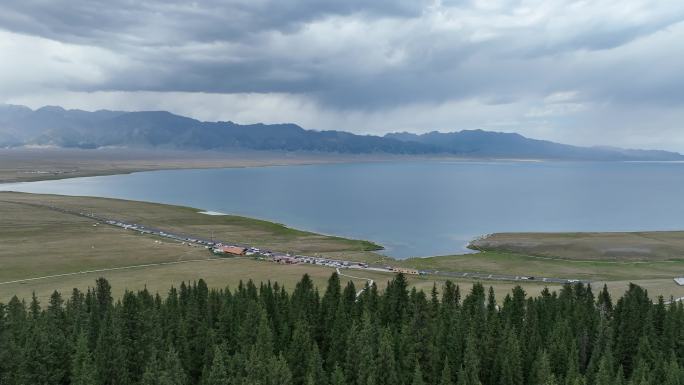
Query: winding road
<point>358,294</point>
<point>203,242</point>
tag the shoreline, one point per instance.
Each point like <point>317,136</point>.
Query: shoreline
<point>369,246</point>
<point>475,246</point>
<point>115,249</point>
<point>35,165</point>
<point>50,176</point>
<point>40,164</point>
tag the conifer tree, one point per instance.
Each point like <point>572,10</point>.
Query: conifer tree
<point>13,322</point>
<point>366,355</point>
<point>630,316</point>
<point>605,374</point>
<point>516,312</point>
<point>329,304</point>
<point>604,302</point>
<point>417,375</point>
<point>337,376</point>
<point>57,349</point>
<point>109,355</point>
<point>304,303</point>
<point>194,333</point>
<point>449,295</point>
<point>83,371</point>
<point>337,347</point>
<point>34,307</point>
<point>508,360</point>
<point>387,366</point>
<point>278,373</point>
<point>218,374</point>
<point>34,366</point>
<point>446,378</point>
<point>315,371</point>
<point>619,376</point>
<point>645,359</point>
<point>541,371</point>
<point>491,345</point>
<point>299,353</point>
<point>572,375</point>
<point>172,372</point>
<point>152,373</point>
<point>405,352</point>
<point>673,375</point>
<point>395,301</point>
<point>263,335</point>
<point>351,359</point>
<point>470,370</point>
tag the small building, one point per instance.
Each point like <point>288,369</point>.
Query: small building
<point>404,270</point>
<point>285,259</point>
<point>679,281</point>
<point>234,250</point>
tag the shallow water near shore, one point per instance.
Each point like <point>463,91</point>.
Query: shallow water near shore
<point>416,208</point>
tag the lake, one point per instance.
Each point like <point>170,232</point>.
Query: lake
<point>415,208</point>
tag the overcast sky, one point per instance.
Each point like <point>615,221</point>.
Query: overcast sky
<point>607,72</point>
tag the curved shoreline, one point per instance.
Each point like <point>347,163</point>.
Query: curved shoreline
<point>477,244</point>
<point>33,165</point>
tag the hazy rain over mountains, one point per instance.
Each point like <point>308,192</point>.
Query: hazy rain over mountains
<point>579,72</point>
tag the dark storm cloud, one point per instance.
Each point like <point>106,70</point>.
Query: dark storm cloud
<point>380,65</point>
<point>159,22</point>
<point>345,53</point>
<point>180,45</point>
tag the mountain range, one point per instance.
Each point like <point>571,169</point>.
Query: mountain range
<point>55,126</point>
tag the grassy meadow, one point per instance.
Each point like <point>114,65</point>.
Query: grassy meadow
<point>618,246</point>
<point>38,242</point>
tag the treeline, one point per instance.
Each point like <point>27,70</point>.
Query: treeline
<point>266,335</point>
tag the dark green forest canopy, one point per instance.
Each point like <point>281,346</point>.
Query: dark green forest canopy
<point>266,335</point>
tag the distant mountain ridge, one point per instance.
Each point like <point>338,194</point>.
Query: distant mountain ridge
<point>55,126</point>
<point>487,144</point>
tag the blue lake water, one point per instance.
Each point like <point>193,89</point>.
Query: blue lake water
<point>417,208</point>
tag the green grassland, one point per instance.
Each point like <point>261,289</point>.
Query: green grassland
<point>218,273</point>
<point>228,228</point>
<point>228,272</point>
<point>618,246</point>
<point>496,262</point>
<point>36,242</point>
<point>655,276</point>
